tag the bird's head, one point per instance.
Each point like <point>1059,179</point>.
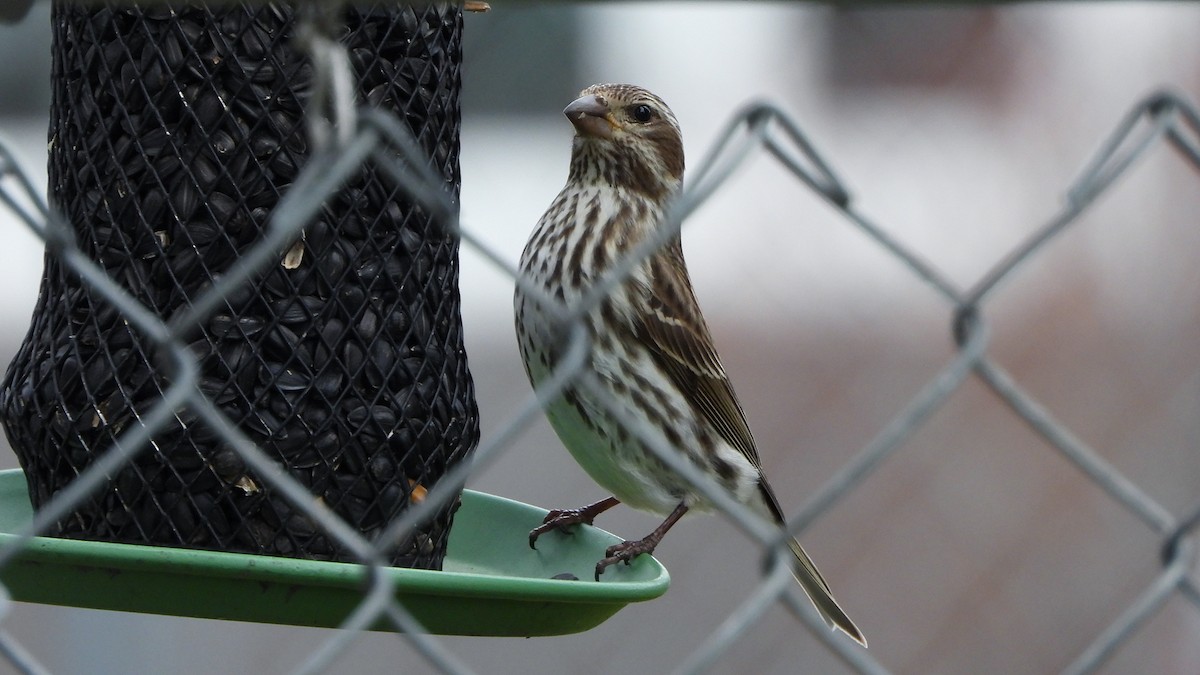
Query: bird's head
<point>627,137</point>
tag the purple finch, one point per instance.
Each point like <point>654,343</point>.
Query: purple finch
<point>651,353</point>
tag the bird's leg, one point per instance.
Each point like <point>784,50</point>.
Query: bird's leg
<point>628,550</point>
<point>561,519</point>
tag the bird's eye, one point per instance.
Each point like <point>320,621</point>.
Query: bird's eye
<point>641,113</point>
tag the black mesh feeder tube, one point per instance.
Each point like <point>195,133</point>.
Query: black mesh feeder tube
<point>173,134</point>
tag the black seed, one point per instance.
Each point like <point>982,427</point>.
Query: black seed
<point>367,326</point>
<point>152,206</point>
<point>411,367</point>
<point>255,43</point>
<point>278,284</point>
<point>256,534</point>
<point>207,107</point>
<point>368,270</point>
<point>400,441</point>
<point>205,172</point>
<point>286,379</point>
<point>283,544</point>
<point>297,310</point>
<point>223,326</point>
<point>279,403</point>
<point>263,423</point>
<point>380,364</point>
<point>283,340</point>
<point>227,464</point>
<point>264,145</point>
<point>261,72</point>
<point>154,142</point>
<point>398,324</point>
<point>353,358</point>
<point>294,441</point>
<point>352,297</point>
<point>382,468</point>
<point>203,232</point>
<point>300,525</point>
<point>327,445</point>
<point>352,227</point>
<point>172,51</point>
<point>184,199</point>
<point>222,142</point>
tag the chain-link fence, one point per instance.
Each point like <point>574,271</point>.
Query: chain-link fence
<point>1163,122</point>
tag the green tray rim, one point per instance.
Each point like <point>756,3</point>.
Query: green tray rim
<point>448,602</point>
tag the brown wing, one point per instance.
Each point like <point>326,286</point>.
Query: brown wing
<point>677,335</point>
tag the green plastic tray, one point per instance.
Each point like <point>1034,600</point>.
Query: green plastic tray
<point>492,582</point>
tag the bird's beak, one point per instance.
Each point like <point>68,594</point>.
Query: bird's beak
<point>591,117</point>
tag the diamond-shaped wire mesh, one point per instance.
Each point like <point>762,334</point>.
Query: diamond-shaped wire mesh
<point>1161,122</point>
<point>173,135</point>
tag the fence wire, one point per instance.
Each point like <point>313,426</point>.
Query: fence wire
<point>349,138</point>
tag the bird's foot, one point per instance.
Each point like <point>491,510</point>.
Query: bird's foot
<point>563,519</point>
<point>625,552</point>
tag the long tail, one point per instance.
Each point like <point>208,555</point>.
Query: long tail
<point>818,591</point>
<point>810,579</point>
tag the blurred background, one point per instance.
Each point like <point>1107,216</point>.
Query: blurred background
<point>975,547</point>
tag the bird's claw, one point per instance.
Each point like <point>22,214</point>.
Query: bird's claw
<point>561,520</point>
<point>624,552</point>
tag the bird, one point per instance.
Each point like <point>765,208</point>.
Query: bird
<point>651,354</point>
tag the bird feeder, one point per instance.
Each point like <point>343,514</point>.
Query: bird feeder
<point>174,131</point>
